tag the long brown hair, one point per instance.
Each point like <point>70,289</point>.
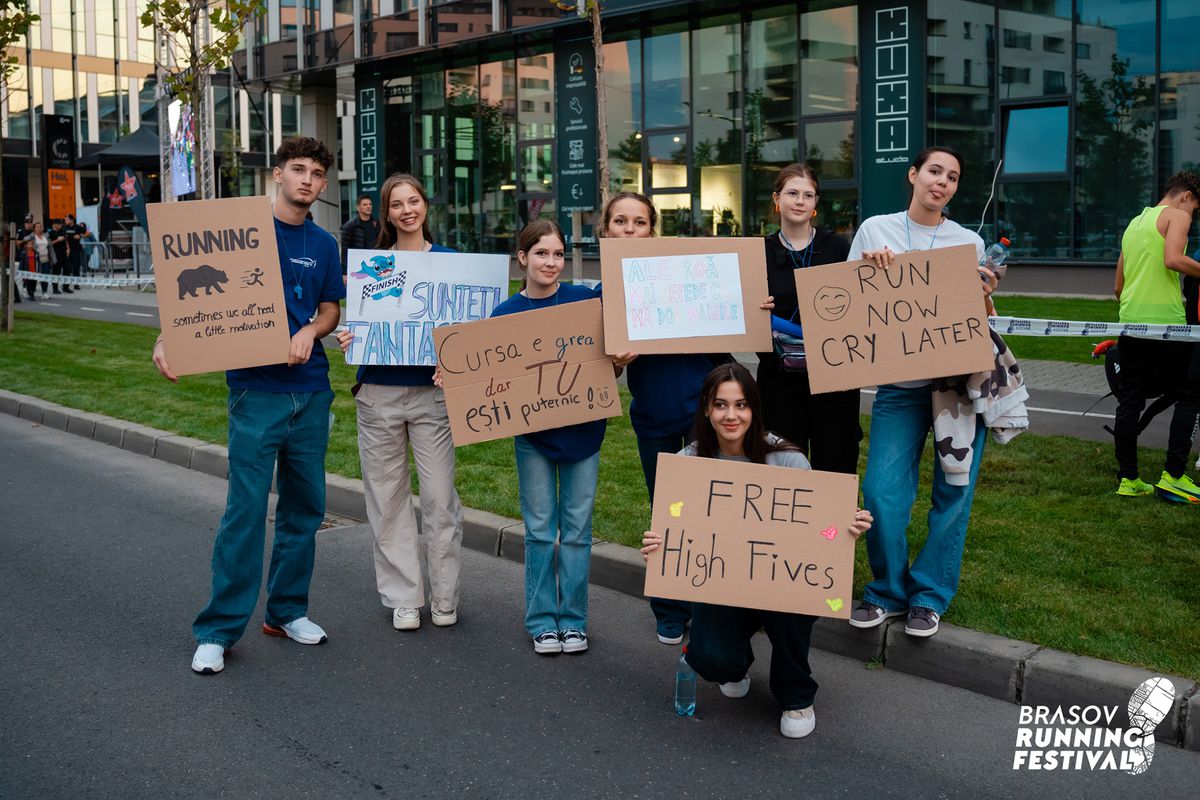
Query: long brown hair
<point>531,234</point>
<point>606,216</point>
<point>387,231</point>
<point>800,169</point>
<point>755,445</point>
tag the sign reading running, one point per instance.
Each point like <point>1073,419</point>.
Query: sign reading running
<point>220,288</point>
<point>395,299</point>
<point>684,295</point>
<point>526,372</point>
<point>753,536</point>
<point>923,317</point>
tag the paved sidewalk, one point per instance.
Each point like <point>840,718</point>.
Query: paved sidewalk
<point>1011,670</point>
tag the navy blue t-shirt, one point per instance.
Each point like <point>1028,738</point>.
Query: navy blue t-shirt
<point>308,258</point>
<point>569,443</point>
<point>665,390</point>
<point>392,375</point>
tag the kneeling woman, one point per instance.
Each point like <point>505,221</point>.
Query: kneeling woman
<point>729,425</point>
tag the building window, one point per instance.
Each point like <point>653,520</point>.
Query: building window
<point>1014,75</point>
<point>1054,44</point>
<point>966,72</point>
<point>966,29</point>
<point>1083,50</point>
<point>936,27</point>
<point>1019,40</point>
<point>1035,140</point>
<point>1054,82</point>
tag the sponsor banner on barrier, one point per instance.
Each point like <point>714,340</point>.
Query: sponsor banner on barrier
<point>1022,326</point>
<point>395,299</point>
<point>753,536</point>
<point>526,372</point>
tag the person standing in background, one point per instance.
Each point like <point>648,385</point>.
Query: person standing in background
<point>361,230</point>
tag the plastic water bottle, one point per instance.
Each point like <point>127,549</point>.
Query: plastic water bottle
<point>994,256</point>
<point>685,687</point>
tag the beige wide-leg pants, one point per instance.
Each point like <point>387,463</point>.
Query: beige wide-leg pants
<point>390,418</point>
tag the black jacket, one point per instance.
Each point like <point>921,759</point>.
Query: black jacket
<point>828,248</point>
<point>358,235</point>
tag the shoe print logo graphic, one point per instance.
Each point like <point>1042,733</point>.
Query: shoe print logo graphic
<point>1149,705</point>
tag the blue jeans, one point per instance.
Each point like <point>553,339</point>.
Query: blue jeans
<point>556,504</point>
<point>669,614</point>
<point>900,423</point>
<point>266,427</point>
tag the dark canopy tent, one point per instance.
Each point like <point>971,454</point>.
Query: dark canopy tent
<point>138,150</point>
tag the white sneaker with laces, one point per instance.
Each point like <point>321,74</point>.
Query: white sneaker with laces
<point>406,619</point>
<point>303,631</point>
<point>737,688</point>
<point>443,619</point>
<point>798,723</point>
<point>209,659</point>
<point>573,640</point>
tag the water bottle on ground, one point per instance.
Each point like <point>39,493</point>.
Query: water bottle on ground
<point>685,687</point>
<point>994,257</point>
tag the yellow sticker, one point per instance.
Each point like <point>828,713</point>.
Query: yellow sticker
<point>676,509</point>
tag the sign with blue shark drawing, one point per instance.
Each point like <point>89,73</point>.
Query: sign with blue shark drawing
<point>395,299</point>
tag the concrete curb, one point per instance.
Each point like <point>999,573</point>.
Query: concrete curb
<point>1017,672</point>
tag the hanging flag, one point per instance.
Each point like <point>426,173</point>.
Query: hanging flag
<point>129,188</point>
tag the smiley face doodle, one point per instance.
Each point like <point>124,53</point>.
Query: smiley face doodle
<point>831,303</point>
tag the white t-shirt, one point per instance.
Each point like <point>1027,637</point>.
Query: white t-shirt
<point>890,230</point>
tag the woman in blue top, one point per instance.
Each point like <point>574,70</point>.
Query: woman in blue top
<point>398,407</point>
<point>729,425</point>
<point>901,418</point>
<point>556,472</point>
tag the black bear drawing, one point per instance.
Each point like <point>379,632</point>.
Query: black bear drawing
<point>202,277</point>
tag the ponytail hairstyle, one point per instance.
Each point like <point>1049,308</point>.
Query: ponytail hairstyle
<point>531,234</point>
<point>755,446</point>
<point>606,215</point>
<point>387,231</point>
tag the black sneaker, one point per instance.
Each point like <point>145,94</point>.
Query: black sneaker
<point>573,641</point>
<point>547,643</point>
<point>868,615</point>
<point>922,621</point>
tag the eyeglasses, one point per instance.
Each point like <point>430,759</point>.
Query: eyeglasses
<point>793,195</point>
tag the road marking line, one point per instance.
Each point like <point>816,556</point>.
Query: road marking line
<point>137,314</point>
<point>89,308</point>
<point>48,303</point>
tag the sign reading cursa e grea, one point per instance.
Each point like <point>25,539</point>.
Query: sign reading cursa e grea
<point>394,300</point>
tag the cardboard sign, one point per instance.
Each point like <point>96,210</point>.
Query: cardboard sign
<point>753,536</point>
<point>526,372</point>
<point>220,287</point>
<point>685,295</point>
<point>394,300</point>
<point>924,317</point>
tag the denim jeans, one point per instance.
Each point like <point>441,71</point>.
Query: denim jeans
<point>901,419</point>
<point>667,613</point>
<point>265,428</point>
<point>556,504</point>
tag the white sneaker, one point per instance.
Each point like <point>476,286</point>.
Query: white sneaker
<point>798,723</point>
<point>736,689</point>
<point>406,619</point>
<point>209,659</point>
<point>443,619</point>
<point>573,640</point>
<point>547,643</point>
<point>302,630</point>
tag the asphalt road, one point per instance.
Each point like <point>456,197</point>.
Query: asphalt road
<point>104,561</point>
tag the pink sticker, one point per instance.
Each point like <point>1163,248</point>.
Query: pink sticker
<point>830,532</point>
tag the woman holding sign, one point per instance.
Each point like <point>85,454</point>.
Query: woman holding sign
<point>901,419</point>
<point>825,426</point>
<point>729,425</point>
<point>399,406</point>
<point>557,471</point>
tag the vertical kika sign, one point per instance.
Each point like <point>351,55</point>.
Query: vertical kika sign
<point>394,300</point>
<point>684,295</point>
<point>220,287</point>
<point>671,297</point>
<point>753,536</point>
<point>922,317</point>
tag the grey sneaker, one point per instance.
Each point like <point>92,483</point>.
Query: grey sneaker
<point>922,621</point>
<point>869,615</point>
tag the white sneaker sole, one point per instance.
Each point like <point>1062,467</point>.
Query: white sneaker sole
<point>444,620</point>
<point>875,623</point>
<point>919,633</point>
<point>671,639</point>
<point>206,668</point>
<point>736,690</point>
<point>575,647</point>
<point>547,648</point>
<point>406,623</point>
<point>797,728</point>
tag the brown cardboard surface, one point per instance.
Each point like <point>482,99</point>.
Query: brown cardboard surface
<point>222,309</point>
<point>922,318</point>
<point>753,536</point>
<point>752,271</point>
<point>526,372</point>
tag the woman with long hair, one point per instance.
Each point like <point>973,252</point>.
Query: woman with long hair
<point>824,426</point>
<point>557,470</point>
<point>399,406</point>
<point>901,418</point>
<point>729,425</point>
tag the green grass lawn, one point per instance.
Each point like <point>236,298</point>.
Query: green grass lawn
<point>1056,348</point>
<point>1052,555</point>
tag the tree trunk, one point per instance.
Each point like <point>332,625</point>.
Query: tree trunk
<point>10,285</point>
<point>601,103</point>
